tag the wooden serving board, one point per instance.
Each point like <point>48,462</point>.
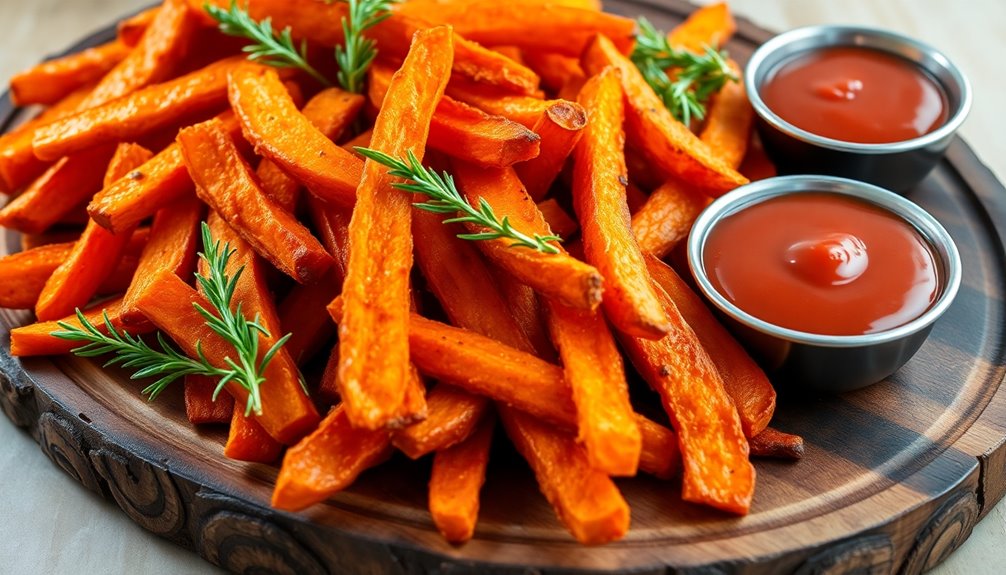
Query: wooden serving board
<point>894,478</point>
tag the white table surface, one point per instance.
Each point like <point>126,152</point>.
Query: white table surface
<point>49,524</point>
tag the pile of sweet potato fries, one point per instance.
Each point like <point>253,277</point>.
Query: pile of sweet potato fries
<point>535,109</point>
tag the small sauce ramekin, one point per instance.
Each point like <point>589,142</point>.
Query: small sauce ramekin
<point>898,166</point>
<point>834,363</point>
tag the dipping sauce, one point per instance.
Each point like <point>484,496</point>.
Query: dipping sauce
<point>856,95</point>
<point>822,263</point>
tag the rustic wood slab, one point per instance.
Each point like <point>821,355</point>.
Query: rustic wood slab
<point>894,478</point>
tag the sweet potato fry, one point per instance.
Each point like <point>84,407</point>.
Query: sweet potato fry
<point>529,25</point>
<point>327,461</point>
<point>373,336</point>
<point>745,382</point>
<point>561,223</point>
<point>23,275</point>
<point>713,447</point>
<point>62,188</point>
<point>667,143</point>
<point>586,500</point>
<point>247,441</point>
<point>452,415</point>
<point>131,30</point>
<point>525,110</point>
<point>167,303</point>
<point>174,238</point>
<point>225,182</point>
<point>560,127</point>
<point>558,276</point>
<point>154,185</point>
<point>599,180</point>
<point>51,81</point>
<point>555,70</point>
<point>37,339</point>
<point>728,123</point>
<point>302,315</point>
<point>455,482</point>
<point>667,217</point>
<point>592,366</point>
<point>660,456</point>
<point>776,444</point>
<point>468,133</point>
<point>200,407</point>
<point>279,131</point>
<point>94,255</point>
<point>138,114</point>
<point>711,25</point>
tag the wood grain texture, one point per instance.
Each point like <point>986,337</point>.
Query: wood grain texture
<point>867,462</point>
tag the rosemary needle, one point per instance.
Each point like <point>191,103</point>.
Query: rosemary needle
<point>357,52</point>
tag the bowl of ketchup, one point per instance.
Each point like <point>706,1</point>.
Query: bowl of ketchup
<point>856,102</point>
<point>833,283</point>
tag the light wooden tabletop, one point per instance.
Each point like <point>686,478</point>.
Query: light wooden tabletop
<point>49,524</point>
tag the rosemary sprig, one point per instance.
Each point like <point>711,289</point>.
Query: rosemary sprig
<point>446,199</point>
<point>694,77</point>
<point>132,352</point>
<point>267,47</point>
<point>358,52</point>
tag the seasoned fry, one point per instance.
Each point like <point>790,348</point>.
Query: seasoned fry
<point>667,143</point>
<point>327,461</point>
<point>452,415</point>
<point>558,276</point>
<point>555,70</point>
<point>279,131</point>
<point>138,114</point>
<point>168,304</point>
<point>560,127</point>
<point>455,482</point>
<point>468,133</point>
<point>525,110</point>
<point>660,455</point>
<point>247,441</point>
<point>51,81</point>
<point>200,407</point>
<point>131,30</point>
<point>302,314</point>
<point>561,223</point>
<point>585,499</point>
<point>225,182</point>
<point>667,217</point>
<point>599,180</point>
<point>745,382</point>
<point>728,124</point>
<point>373,336</point>
<point>94,255</point>
<point>37,339</point>
<point>776,444</point>
<point>711,25</point>
<point>713,447</point>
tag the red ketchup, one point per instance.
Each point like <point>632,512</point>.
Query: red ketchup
<point>856,95</point>
<point>822,263</point>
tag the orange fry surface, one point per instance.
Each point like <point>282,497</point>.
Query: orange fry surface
<point>667,143</point>
<point>455,482</point>
<point>94,255</point>
<point>452,415</point>
<point>55,79</point>
<point>711,25</point>
<point>373,335</point>
<point>131,30</point>
<point>200,407</point>
<point>225,181</point>
<point>37,339</point>
<point>666,217</point>
<point>247,441</point>
<point>599,180</point>
<point>279,131</point>
<point>560,127</point>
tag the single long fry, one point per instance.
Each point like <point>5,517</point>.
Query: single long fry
<point>200,406</point>
<point>225,181</point>
<point>94,255</point>
<point>745,382</point>
<point>711,25</point>
<point>713,447</point>
<point>592,366</point>
<point>599,180</point>
<point>555,70</point>
<point>560,128</point>
<point>154,185</point>
<point>667,217</point>
<point>55,79</point>
<point>452,415</point>
<point>168,303</point>
<point>327,461</point>
<point>131,30</point>
<point>525,110</point>
<point>23,275</point>
<point>373,336</point>
<point>138,114</point>
<point>62,188</point>
<point>728,123</point>
<point>37,339</point>
<point>174,237</point>
<point>279,131</point>
<point>247,441</point>
<point>302,315</point>
<point>455,482</point>
<point>558,276</point>
<point>467,133</point>
<point>585,499</point>
<point>776,444</point>
<point>667,143</point>
<point>560,222</point>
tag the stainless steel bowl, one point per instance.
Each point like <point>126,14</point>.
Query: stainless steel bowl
<point>828,362</point>
<point>898,165</point>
